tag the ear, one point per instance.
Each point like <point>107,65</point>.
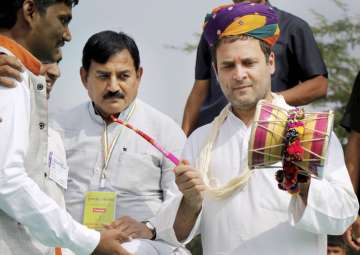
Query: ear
<point>29,11</point>
<point>139,74</point>
<point>84,76</point>
<point>272,62</point>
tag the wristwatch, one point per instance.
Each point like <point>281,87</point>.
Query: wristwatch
<point>151,227</point>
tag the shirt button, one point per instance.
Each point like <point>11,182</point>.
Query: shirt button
<point>0,119</point>
<point>40,86</point>
<point>42,125</point>
<point>45,175</point>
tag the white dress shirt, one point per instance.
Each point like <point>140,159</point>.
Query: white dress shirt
<point>261,219</point>
<point>139,174</point>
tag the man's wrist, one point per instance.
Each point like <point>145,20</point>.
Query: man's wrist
<point>151,228</point>
<point>191,207</point>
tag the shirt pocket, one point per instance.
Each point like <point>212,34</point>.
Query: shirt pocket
<point>136,173</point>
<point>82,165</point>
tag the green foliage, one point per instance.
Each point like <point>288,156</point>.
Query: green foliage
<point>339,41</point>
<point>195,246</point>
<point>188,47</point>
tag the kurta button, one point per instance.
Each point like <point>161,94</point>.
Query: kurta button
<point>40,86</point>
<point>42,125</point>
<point>45,175</point>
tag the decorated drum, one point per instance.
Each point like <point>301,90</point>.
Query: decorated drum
<point>267,138</point>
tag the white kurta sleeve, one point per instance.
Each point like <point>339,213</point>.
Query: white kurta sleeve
<point>189,153</point>
<point>165,217</point>
<point>20,197</point>
<point>332,204</point>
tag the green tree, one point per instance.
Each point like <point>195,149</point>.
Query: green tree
<point>339,42</point>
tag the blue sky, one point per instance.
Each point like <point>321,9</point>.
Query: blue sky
<point>168,74</point>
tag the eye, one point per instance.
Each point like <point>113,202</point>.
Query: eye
<point>65,20</point>
<point>103,76</point>
<point>227,66</point>
<point>124,76</point>
<point>249,63</point>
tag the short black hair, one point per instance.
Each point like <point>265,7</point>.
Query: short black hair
<point>336,241</point>
<point>10,8</point>
<point>101,46</point>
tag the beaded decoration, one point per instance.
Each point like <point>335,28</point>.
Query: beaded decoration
<point>289,177</point>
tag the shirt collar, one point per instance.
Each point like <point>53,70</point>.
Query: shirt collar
<point>97,117</point>
<point>26,58</point>
<point>234,120</point>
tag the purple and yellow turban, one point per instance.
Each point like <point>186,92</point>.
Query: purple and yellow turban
<point>255,20</point>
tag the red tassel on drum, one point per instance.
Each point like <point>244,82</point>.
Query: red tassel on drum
<point>288,177</point>
<point>295,150</point>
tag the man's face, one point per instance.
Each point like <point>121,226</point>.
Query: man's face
<point>335,250</point>
<point>51,73</point>
<point>251,1</point>
<point>50,31</point>
<point>114,85</point>
<point>243,72</point>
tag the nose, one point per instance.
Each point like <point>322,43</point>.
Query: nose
<point>239,73</point>
<point>67,35</point>
<point>55,71</point>
<point>113,84</point>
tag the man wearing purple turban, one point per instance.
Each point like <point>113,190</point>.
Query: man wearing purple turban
<point>238,211</point>
<point>301,75</point>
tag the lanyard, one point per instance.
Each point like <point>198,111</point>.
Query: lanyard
<point>109,150</point>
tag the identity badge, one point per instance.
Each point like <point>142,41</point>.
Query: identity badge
<point>59,171</point>
<point>99,209</point>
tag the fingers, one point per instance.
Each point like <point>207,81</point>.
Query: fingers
<point>185,162</point>
<point>191,184</point>
<point>120,236</point>
<point>183,167</point>
<point>107,226</point>
<point>130,227</point>
<point>132,232</point>
<point>110,242</point>
<point>10,68</point>
<point>192,191</point>
<point>188,175</point>
<point>7,82</point>
<point>184,173</point>
<point>11,61</point>
<point>122,222</point>
<point>188,178</point>
<point>349,240</point>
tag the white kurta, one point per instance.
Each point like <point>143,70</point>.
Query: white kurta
<point>140,175</point>
<point>58,174</point>
<point>261,219</point>
<point>24,188</point>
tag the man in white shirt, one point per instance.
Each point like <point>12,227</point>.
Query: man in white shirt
<point>238,211</point>
<point>104,156</point>
<point>32,28</point>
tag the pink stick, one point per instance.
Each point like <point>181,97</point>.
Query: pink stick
<point>167,154</point>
